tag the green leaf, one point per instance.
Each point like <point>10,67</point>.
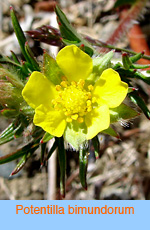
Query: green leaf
<point>7,60</point>
<point>21,163</point>
<point>19,33</point>
<point>33,62</point>
<point>110,131</point>
<point>139,101</point>
<point>9,133</point>
<point>96,145</point>
<point>119,3</point>
<point>75,134</point>
<point>83,162</point>
<point>126,61</point>
<point>52,150</point>
<point>62,163</point>
<point>20,152</point>
<point>136,57</point>
<point>15,58</point>
<point>69,33</point>
<point>51,70</point>
<point>47,137</point>
<point>9,113</point>
<point>122,112</point>
<point>43,151</point>
<point>12,78</point>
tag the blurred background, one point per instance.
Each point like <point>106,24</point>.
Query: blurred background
<point>122,171</point>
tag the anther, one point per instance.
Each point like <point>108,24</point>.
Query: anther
<point>80,119</point>
<point>90,87</point>
<point>88,102</point>
<point>74,117</point>
<point>58,87</point>
<point>64,78</point>
<point>64,84</point>
<point>69,119</point>
<point>93,99</point>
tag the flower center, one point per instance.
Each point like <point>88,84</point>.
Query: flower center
<point>74,100</point>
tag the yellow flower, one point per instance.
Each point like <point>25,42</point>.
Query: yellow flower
<point>74,101</point>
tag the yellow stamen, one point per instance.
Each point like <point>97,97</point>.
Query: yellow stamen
<point>88,102</point>
<point>58,87</point>
<point>93,99</point>
<point>64,78</point>
<point>64,84</point>
<point>90,87</point>
<point>74,117</point>
<point>69,119</point>
<point>80,119</point>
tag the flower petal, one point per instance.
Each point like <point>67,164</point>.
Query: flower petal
<point>74,63</point>
<point>110,88</point>
<point>97,120</point>
<point>38,90</point>
<point>51,121</point>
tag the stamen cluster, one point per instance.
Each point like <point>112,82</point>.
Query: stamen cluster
<point>74,99</point>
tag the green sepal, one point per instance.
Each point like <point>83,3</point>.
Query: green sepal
<point>9,113</point>
<point>83,163</point>
<point>139,101</point>
<point>19,153</point>
<point>47,137</point>
<point>110,131</point>
<point>62,164</point>
<point>21,163</point>
<point>122,112</point>
<point>96,145</point>
<point>33,62</point>
<point>99,65</point>
<point>69,33</point>
<point>136,57</point>
<point>75,134</point>
<point>126,61</point>
<point>51,70</point>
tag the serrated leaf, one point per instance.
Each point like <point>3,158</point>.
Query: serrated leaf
<point>75,134</point>
<point>122,112</point>
<point>51,70</point>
